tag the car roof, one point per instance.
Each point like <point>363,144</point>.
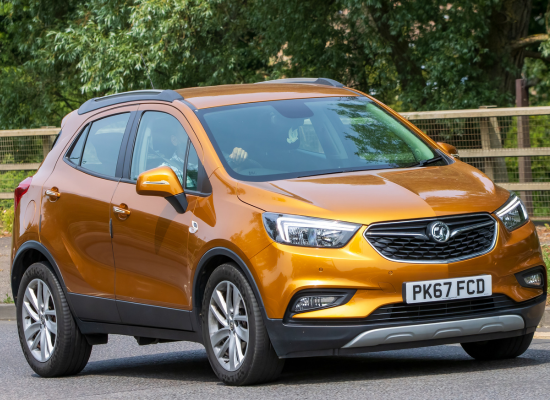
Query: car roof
<point>223,95</point>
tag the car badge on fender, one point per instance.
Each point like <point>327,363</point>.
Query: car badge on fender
<point>439,232</point>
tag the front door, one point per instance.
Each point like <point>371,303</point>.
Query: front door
<point>150,236</point>
<point>75,215</point>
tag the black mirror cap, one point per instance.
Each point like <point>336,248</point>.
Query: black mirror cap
<point>179,202</point>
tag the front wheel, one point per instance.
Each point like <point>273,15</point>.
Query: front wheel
<point>234,333</point>
<point>499,349</point>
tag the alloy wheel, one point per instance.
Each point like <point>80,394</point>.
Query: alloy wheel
<point>39,320</point>
<point>228,326</point>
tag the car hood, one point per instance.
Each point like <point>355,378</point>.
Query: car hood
<point>383,195</point>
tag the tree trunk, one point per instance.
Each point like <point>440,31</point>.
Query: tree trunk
<point>411,78</point>
<point>508,24</point>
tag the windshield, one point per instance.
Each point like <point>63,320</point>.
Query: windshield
<point>294,138</point>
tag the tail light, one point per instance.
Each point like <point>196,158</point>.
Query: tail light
<point>21,190</point>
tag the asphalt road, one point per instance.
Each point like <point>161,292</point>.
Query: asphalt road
<point>124,370</point>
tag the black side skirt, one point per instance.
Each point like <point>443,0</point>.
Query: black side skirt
<point>97,316</point>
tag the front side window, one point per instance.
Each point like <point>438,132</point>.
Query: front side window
<point>98,146</point>
<point>294,138</point>
<point>192,171</point>
<point>160,141</point>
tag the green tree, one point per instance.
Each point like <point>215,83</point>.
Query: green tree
<point>36,89</point>
<point>412,54</point>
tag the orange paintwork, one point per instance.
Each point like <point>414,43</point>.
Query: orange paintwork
<point>448,148</point>
<point>160,181</point>
<point>152,257</point>
<point>384,195</point>
<point>150,250</point>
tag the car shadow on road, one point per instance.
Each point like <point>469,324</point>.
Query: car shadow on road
<point>442,360</point>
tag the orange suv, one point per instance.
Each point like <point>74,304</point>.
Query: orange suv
<point>291,218</point>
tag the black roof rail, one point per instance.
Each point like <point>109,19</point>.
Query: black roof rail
<point>100,102</point>
<point>317,81</point>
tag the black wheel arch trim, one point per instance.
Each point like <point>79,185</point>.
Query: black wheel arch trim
<point>206,257</point>
<point>17,260</point>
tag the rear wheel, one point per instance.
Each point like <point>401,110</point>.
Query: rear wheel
<point>234,334</point>
<point>49,337</point>
<point>498,349</point>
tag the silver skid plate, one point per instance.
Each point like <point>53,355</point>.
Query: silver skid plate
<point>437,330</point>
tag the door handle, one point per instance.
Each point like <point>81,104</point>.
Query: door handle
<point>53,194</point>
<point>122,211</point>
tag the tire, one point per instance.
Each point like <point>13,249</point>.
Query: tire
<point>65,352</point>
<point>259,362</point>
<point>499,349</point>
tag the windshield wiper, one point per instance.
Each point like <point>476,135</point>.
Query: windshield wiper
<point>423,163</point>
<point>340,171</point>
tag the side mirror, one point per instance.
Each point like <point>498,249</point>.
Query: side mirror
<point>162,182</point>
<point>449,149</point>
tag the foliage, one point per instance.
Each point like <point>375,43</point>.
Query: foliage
<point>7,219</point>
<point>10,179</point>
<point>36,89</point>
<point>414,55</point>
<point>8,299</point>
<point>546,257</point>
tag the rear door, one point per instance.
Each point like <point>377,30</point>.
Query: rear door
<point>76,209</point>
<point>150,244</point>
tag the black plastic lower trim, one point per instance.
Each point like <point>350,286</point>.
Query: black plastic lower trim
<point>205,259</point>
<point>94,328</point>
<point>306,340</point>
<point>98,309</point>
<point>92,308</point>
<point>154,316</point>
<point>17,269</point>
<point>413,345</point>
<point>95,339</point>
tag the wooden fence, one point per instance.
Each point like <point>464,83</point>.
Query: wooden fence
<point>510,145</point>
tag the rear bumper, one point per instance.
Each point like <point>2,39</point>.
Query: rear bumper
<point>317,339</point>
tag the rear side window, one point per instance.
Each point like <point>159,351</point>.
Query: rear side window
<point>76,153</point>
<point>98,146</point>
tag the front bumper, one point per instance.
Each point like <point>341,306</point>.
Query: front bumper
<point>306,339</point>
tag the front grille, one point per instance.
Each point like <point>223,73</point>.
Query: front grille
<point>441,309</point>
<point>408,241</point>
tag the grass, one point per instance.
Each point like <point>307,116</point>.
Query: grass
<point>546,257</point>
<point>8,300</point>
<point>6,219</point>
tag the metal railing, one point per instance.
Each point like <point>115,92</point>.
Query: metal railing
<point>510,145</point>
<point>21,152</point>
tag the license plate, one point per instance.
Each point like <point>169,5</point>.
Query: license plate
<point>447,289</point>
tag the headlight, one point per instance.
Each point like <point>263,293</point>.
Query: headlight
<point>309,232</point>
<point>513,213</point>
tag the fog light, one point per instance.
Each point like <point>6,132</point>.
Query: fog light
<point>534,279</point>
<point>313,302</point>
